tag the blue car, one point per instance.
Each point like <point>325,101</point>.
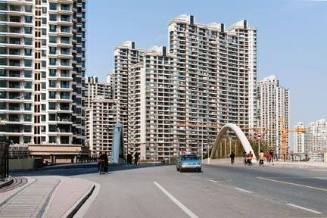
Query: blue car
<point>189,162</point>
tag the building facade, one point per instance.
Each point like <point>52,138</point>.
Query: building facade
<point>152,118</point>
<point>215,78</point>
<point>101,116</point>
<point>180,96</point>
<point>273,115</point>
<point>42,67</point>
<point>314,139</point>
<point>125,55</point>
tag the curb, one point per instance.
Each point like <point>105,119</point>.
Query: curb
<point>7,183</point>
<point>80,203</point>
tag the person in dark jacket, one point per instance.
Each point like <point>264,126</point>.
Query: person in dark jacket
<point>136,158</point>
<point>105,162</point>
<point>129,158</point>
<point>232,157</point>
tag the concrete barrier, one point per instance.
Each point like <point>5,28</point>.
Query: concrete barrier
<point>24,164</point>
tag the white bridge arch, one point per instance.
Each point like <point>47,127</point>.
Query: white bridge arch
<point>240,135</point>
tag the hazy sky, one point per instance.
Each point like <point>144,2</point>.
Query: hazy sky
<point>292,39</point>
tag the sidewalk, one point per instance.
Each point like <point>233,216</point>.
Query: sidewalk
<point>239,162</point>
<point>46,196</point>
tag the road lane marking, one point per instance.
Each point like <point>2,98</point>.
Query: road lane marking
<point>211,180</point>
<point>243,190</point>
<point>304,208</point>
<point>177,202</point>
<point>291,183</point>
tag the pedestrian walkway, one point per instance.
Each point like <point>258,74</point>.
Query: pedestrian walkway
<point>47,196</point>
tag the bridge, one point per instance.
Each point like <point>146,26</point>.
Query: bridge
<point>219,151</point>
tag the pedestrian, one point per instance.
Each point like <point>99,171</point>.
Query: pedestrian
<point>245,158</point>
<point>271,153</point>
<point>105,162</point>
<point>261,158</point>
<point>249,158</point>
<point>232,157</point>
<point>99,162</point>
<point>136,158</point>
<point>129,158</point>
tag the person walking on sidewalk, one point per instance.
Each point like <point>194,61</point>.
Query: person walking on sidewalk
<point>249,158</point>
<point>136,158</point>
<point>261,158</point>
<point>232,157</point>
<point>105,162</point>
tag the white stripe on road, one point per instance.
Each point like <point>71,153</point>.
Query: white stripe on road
<point>304,208</point>
<point>295,184</point>
<point>243,190</point>
<point>177,202</point>
<point>211,180</point>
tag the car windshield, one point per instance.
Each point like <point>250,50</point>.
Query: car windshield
<point>189,157</point>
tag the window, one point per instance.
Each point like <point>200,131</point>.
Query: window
<point>53,61</point>
<point>52,28</point>
<point>52,95</point>
<point>28,85</point>
<point>3,106</point>
<point>43,96</point>
<point>53,6</point>
<point>27,63</point>
<point>28,117</point>
<point>52,39</point>
<point>52,50</point>
<point>28,30</point>
<point>53,17</point>
<point>52,83</point>
<point>27,74</point>
<point>27,95</point>
<point>27,107</point>
<point>28,41</point>
<point>28,52</point>
<point>52,106</point>
<point>52,72</point>
<point>28,8</point>
<point>28,19</point>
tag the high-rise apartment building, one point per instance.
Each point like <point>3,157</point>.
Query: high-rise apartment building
<point>42,67</point>
<point>125,55</point>
<point>300,143</point>
<point>153,129</point>
<point>215,77</point>
<point>314,139</point>
<point>178,98</point>
<point>273,114</point>
<point>101,116</point>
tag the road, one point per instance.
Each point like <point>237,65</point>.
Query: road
<point>219,191</point>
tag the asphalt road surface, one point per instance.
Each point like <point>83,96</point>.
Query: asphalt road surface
<point>219,191</point>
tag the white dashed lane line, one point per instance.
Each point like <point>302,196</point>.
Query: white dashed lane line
<point>177,202</point>
<point>303,208</point>
<point>243,190</point>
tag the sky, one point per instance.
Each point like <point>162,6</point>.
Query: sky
<point>292,39</point>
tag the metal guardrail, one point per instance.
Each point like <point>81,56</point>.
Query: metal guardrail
<point>4,160</point>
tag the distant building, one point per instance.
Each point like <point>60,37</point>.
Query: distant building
<point>101,116</point>
<point>177,97</point>
<point>152,129</point>
<point>300,143</point>
<point>125,55</point>
<point>273,114</point>
<point>314,140</point>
